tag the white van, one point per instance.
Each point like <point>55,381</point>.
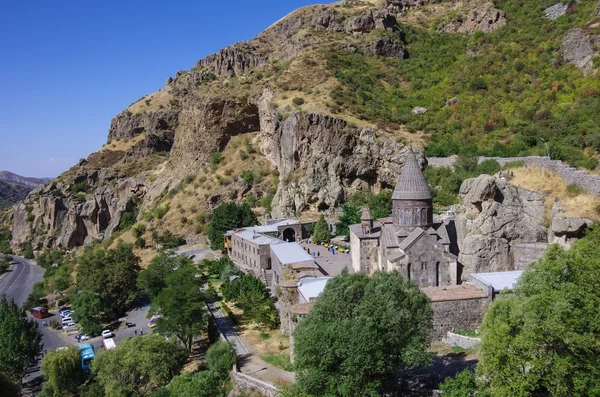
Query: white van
<point>67,319</point>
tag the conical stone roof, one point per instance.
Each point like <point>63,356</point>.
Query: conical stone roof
<point>411,184</point>
<point>366,215</point>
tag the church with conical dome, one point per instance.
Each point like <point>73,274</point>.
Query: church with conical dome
<point>409,241</point>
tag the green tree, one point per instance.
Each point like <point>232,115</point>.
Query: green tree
<point>252,296</point>
<point>153,278</point>
<point>19,340</point>
<point>543,339</point>
<point>4,264</point>
<point>358,332</point>
<point>28,252</point>
<point>87,306</point>
<point>50,258</point>
<point>321,233</point>
<point>181,304</point>
<point>5,238</point>
<point>229,216</point>
<point>62,373</point>
<point>8,388</point>
<point>463,384</point>
<point>350,216</point>
<point>112,274</point>
<point>138,365</point>
<point>201,384</point>
<point>220,358</point>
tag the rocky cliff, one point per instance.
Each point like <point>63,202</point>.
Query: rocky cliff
<point>281,91</point>
<point>494,215</point>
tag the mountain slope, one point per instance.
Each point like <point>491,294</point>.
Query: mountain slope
<point>322,104</point>
<point>9,177</point>
<point>11,194</point>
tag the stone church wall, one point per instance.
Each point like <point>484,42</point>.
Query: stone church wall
<point>457,314</point>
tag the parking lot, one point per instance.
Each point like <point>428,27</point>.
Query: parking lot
<point>52,339</point>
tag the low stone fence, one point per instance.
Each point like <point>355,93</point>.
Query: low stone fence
<point>569,174</point>
<point>249,383</point>
<point>466,342</point>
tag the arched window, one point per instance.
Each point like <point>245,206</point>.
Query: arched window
<point>416,217</point>
<point>424,216</point>
<point>408,269</point>
<point>437,274</point>
<point>400,216</point>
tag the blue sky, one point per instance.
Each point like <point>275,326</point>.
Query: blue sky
<point>68,67</point>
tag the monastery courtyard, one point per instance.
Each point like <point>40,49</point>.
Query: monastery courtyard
<point>332,265</point>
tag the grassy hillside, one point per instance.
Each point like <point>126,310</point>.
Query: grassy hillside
<point>513,90</point>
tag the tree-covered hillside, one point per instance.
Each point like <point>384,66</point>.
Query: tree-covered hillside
<point>513,89</point>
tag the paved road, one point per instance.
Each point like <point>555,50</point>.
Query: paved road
<point>18,283</point>
<point>227,330</point>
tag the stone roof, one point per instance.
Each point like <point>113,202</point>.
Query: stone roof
<point>454,293</point>
<point>375,232</point>
<point>412,238</point>
<point>302,308</point>
<point>411,184</point>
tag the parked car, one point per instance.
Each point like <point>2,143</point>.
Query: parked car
<point>64,309</point>
<point>79,335</point>
<point>107,334</point>
<point>66,313</point>
<point>84,338</point>
<point>129,324</point>
<point>67,319</point>
<point>70,324</point>
<point>32,368</point>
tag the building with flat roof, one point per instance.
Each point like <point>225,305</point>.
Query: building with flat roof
<point>250,248</point>
<point>496,282</point>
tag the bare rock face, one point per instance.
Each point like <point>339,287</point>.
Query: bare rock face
<point>68,222</point>
<point>127,125</point>
<point>386,47</point>
<point>322,159</point>
<point>556,11</point>
<point>207,127</point>
<point>567,230</point>
<point>579,48</point>
<point>597,10</point>
<point>487,21</point>
<point>234,60</point>
<point>492,216</point>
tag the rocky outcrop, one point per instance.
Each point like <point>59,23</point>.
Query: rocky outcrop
<point>127,125</point>
<point>492,216</point>
<point>206,128</point>
<point>420,110</point>
<point>567,230</point>
<point>233,61</point>
<point>322,159</point>
<point>386,47</point>
<point>54,218</point>
<point>556,11</point>
<point>487,21</point>
<point>369,21</point>
<point>579,48</point>
<point>597,10</point>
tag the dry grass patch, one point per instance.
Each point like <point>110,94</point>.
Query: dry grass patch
<point>160,99</point>
<point>554,189</point>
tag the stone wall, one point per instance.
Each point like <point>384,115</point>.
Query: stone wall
<point>466,342</point>
<point>457,314</point>
<point>525,254</point>
<point>569,174</point>
<point>250,384</point>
